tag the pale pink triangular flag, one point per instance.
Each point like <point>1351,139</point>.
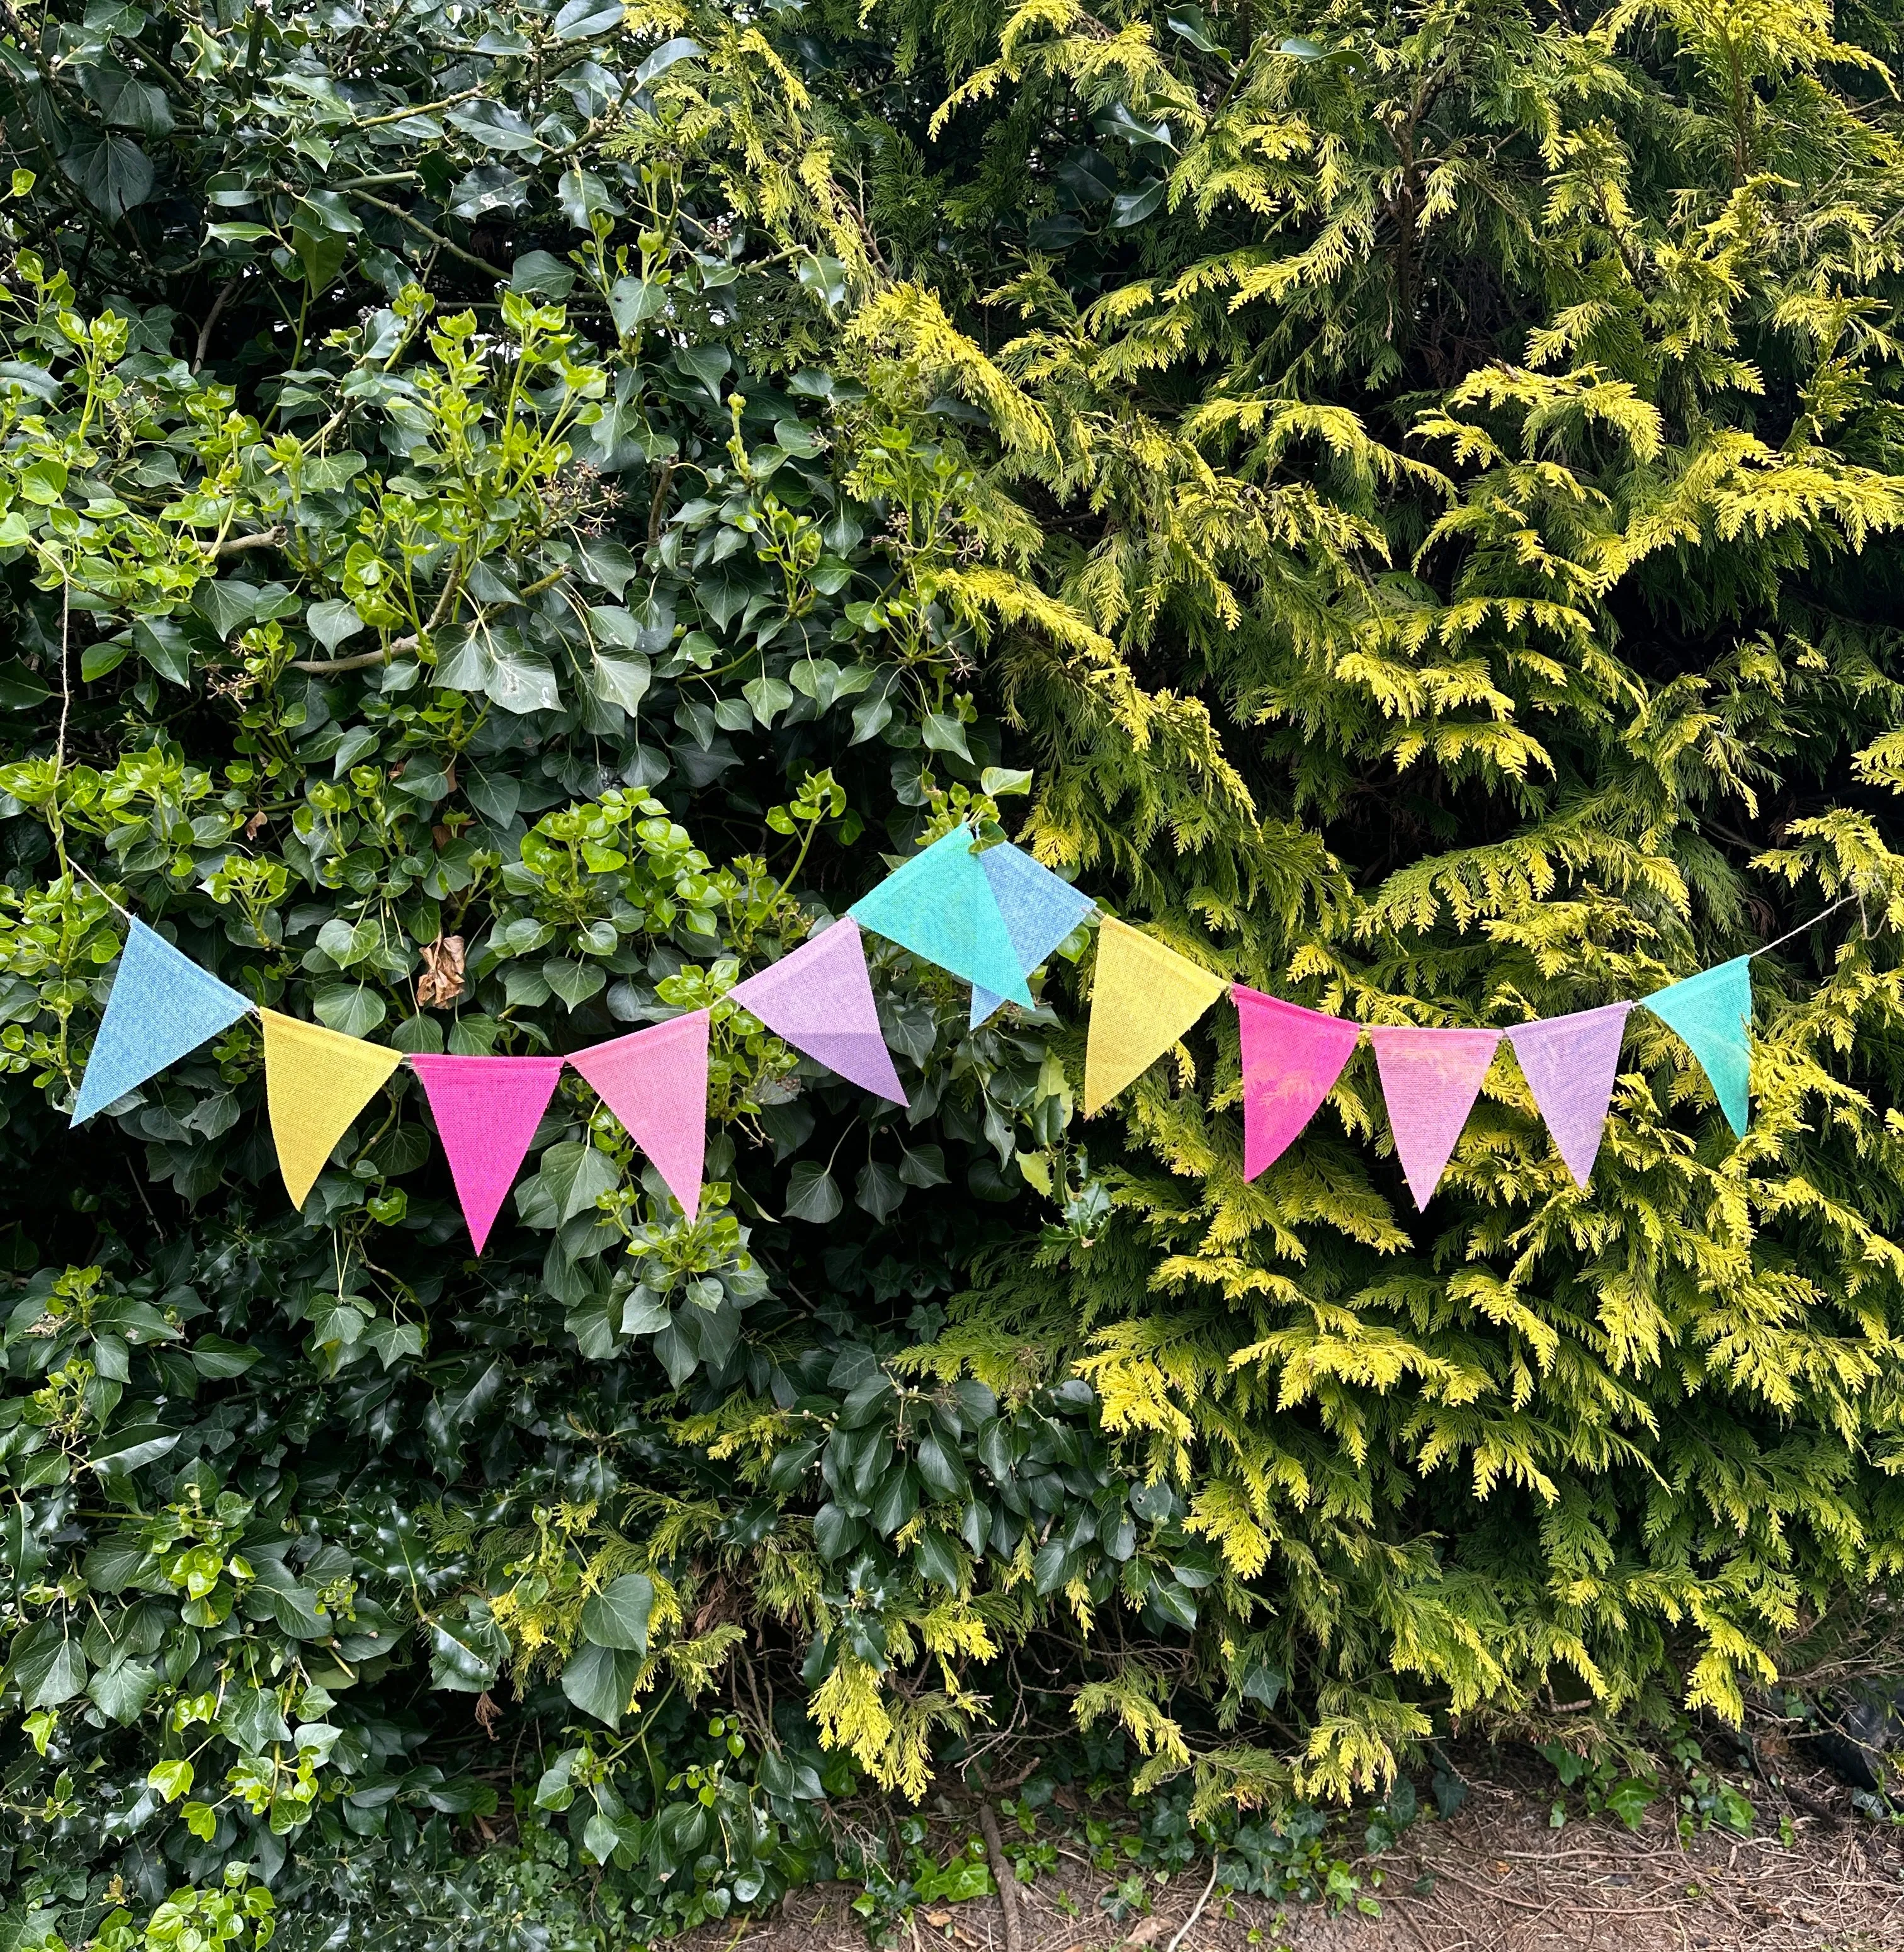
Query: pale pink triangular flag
<point>1430,1079</point>
<point>655,1082</point>
<point>1291,1060</point>
<point>820,999</point>
<point>486,1110</point>
<point>1571,1063</point>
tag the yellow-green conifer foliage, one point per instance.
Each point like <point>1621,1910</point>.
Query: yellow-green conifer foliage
<point>1475,428</point>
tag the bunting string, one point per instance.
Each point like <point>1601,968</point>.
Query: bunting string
<point>991,916</point>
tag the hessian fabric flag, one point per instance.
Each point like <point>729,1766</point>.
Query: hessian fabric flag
<point>316,1082</point>
<point>1143,998</point>
<point>162,1005</point>
<point>1430,1079</point>
<point>940,905</point>
<point>821,1000</point>
<point>1291,1060</point>
<point>1039,911</point>
<point>486,1109</point>
<point>655,1082</point>
<point>1571,1063</point>
<point>1712,1013</point>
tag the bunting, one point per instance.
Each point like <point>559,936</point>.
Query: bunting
<point>940,905</point>
<point>486,1110</point>
<point>1570,1063</point>
<point>655,1082</point>
<point>1711,1013</point>
<point>820,999</point>
<point>1039,911</point>
<point>316,1082</point>
<point>1143,998</point>
<point>162,1005</point>
<point>1430,1079</point>
<point>1291,1060</point>
<point>991,916</point>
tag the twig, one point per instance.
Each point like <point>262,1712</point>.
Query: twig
<point>240,545</point>
<point>1196,1910</point>
<point>436,237</point>
<point>212,317</point>
<point>1003,1875</point>
<point>357,660</point>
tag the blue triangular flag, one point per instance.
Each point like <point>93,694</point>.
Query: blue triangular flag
<point>1712,1013</point>
<point>1039,911</point>
<point>162,1005</point>
<point>941,906</point>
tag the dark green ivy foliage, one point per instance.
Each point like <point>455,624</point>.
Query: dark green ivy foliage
<point>520,514</point>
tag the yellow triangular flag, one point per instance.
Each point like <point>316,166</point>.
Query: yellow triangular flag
<point>316,1081</point>
<point>1143,998</point>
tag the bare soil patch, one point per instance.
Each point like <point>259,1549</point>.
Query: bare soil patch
<point>1816,1876</point>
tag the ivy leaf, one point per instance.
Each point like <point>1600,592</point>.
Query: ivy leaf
<point>575,983</point>
<point>878,1191</point>
<point>350,1008</point>
<point>943,733</point>
<point>226,606</point>
<point>812,1193</point>
<point>20,688</point>
<point>112,171</point>
<point>618,1616</point>
<point>47,1667</point>
<point>599,1681</point>
<point>576,1176</point>
<point>332,622</point>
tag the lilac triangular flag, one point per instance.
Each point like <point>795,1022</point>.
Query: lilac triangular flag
<point>486,1110</point>
<point>1291,1060</point>
<point>1430,1079</point>
<point>821,1000</point>
<point>1039,911</point>
<point>1571,1063</point>
<point>655,1082</point>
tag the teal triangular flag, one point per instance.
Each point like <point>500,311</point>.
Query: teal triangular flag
<point>940,905</point>
<point>1039,911</point>
<point>1712,1013</point>
<point>162,1005</point>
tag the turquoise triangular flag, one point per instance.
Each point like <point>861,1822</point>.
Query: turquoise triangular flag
<point>1039,911</point>
<point>1712,1013</point>
<point>941,906</point>
<point>162,1005</point>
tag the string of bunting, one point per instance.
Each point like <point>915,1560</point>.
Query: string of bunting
<point>989,917</point>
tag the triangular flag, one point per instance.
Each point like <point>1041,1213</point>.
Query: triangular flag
<point>316,1081</point>
<point>1291,1060</point>
<point>940,905</point>
<point>1143,998</point>
<point>1712,1013</point>
<point>1039,911</point>
<point>1430,1079</point>
<point>1571,1063</point>
<point>162,1005</point>
<point>487,1109</point>
<point>655,1082</point>
<point>820,999</point>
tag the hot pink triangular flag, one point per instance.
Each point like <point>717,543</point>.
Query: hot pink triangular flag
<point>486,1109</point>
<point>820,999</point>
<point>655,1082</point>
<point>1570,1062</point>
<point>1430,1079</point>
<point>1291,1060</point>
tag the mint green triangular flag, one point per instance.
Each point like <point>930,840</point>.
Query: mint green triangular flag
<point>940,905</point>
<point>1712,1013</point>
